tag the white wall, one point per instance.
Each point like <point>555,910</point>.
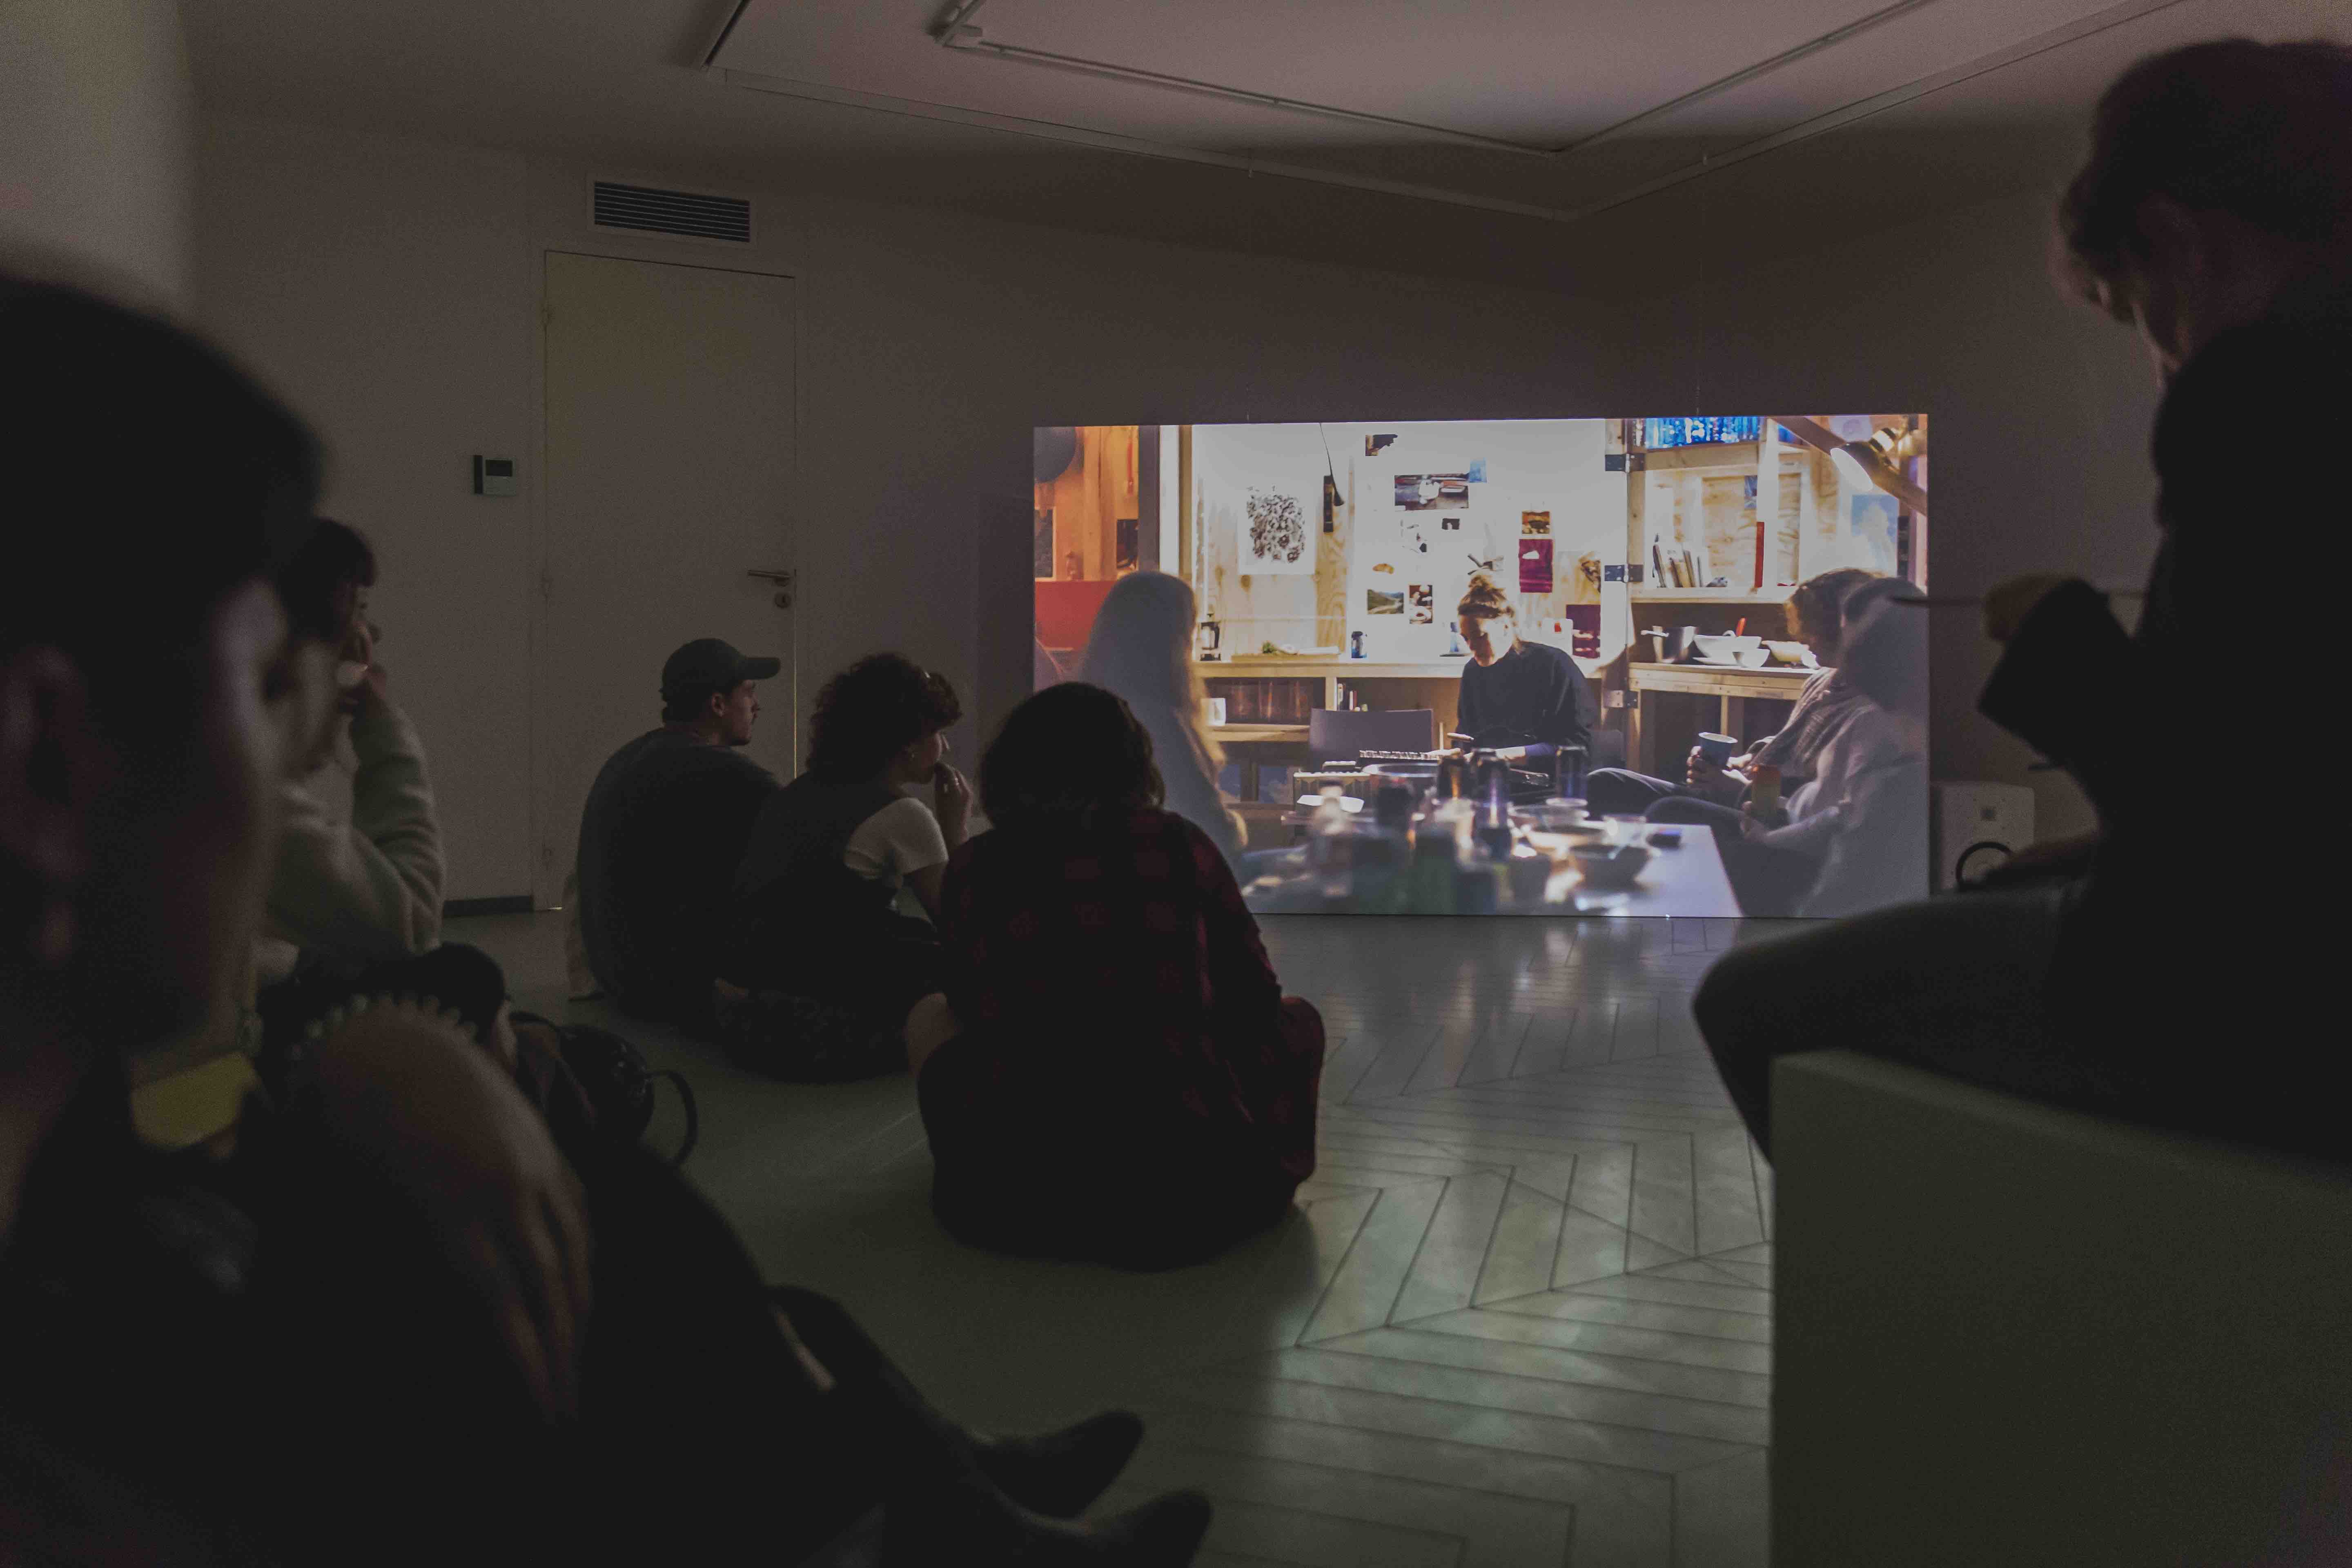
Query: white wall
<point>96,113</point>
<point>387,288</point>
<point>390,289</point>
<point>2039,412</point>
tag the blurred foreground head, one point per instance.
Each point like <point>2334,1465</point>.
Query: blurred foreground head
<point>2219,183</point>
<point>147,491</point>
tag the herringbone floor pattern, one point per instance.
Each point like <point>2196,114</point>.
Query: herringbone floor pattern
<point>1543,1330</point>
<point>1523,1316</point>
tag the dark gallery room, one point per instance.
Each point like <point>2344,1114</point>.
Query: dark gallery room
<point>1570,920</point>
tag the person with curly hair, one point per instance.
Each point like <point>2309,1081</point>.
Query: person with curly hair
<point>832,941</point>
<point>2111,972</point>
<point>1122,1077</point>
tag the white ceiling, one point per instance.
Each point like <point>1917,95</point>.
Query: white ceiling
<point>1535,75</point>
<point>1522,140</point>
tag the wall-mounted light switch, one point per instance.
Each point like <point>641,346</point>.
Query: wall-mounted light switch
<point>493,476</point>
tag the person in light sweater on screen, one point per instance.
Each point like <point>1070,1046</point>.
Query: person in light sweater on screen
<point>1828,702</point>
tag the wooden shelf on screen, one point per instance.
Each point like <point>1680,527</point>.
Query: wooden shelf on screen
<point>1260,668</point>
<point>1712,595</point>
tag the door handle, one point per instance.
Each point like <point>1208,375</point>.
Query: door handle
<point>783,582</point>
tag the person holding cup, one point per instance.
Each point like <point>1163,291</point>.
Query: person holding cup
<point>1773,851</point>
<point>1717,771</point>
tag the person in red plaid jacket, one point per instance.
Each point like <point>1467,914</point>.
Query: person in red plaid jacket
<point>1127,1081</point>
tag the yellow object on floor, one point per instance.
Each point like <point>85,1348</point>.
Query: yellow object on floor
<point>193,1107</point>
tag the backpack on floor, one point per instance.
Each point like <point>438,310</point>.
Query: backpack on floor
<point>617,1083</point>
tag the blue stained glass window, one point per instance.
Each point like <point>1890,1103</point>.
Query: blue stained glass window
<point>1702,431</point>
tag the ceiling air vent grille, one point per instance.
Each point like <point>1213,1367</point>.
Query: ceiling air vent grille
<point>683,213</point>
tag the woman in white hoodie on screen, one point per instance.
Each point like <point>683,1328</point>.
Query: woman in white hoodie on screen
<point>1142,648</point>
<point>1871,804</point>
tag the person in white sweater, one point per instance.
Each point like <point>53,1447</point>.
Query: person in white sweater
<point>1853,834</point>
<point>359,872</point>
<point>1859,825</point>
<point>1866,814</point>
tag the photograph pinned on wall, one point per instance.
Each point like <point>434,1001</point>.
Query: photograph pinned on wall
<point>1535,566</point>
<point>1535,522</point>
<point>1277,540</point>
<point>1583,585</point>
<point>1583,622</point>
<point>1375,444</point>
<point>1431,492</point>
<point>1449,525</point>
<point>1377,602</point>
<point>1423,601</point>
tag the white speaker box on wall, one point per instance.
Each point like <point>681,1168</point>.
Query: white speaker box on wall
<point>1977,827</point>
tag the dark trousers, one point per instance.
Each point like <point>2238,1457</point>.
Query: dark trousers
<point>1623,792</point>
<point>1139,1186</point>
<point>2127,1014</point>
<point>1769,880</point>
<point>384,1424</point>
<point>1958,984</point>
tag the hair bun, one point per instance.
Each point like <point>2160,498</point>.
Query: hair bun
<point>1484,597</point>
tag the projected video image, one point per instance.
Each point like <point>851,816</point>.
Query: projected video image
<point>1544,666</point>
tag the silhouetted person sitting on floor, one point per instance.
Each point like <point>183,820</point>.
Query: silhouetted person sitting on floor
<point>833,939</point>
<point>2153,979</point>
<point>359,871</point>
<point>378,1318</point>
<point>663,833</point>
<point>356,884</point>
<point>1130,1084</point>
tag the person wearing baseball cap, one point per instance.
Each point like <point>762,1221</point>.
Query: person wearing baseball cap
<point>664,829</point>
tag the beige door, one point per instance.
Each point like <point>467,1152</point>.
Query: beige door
<point>669,468</point>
